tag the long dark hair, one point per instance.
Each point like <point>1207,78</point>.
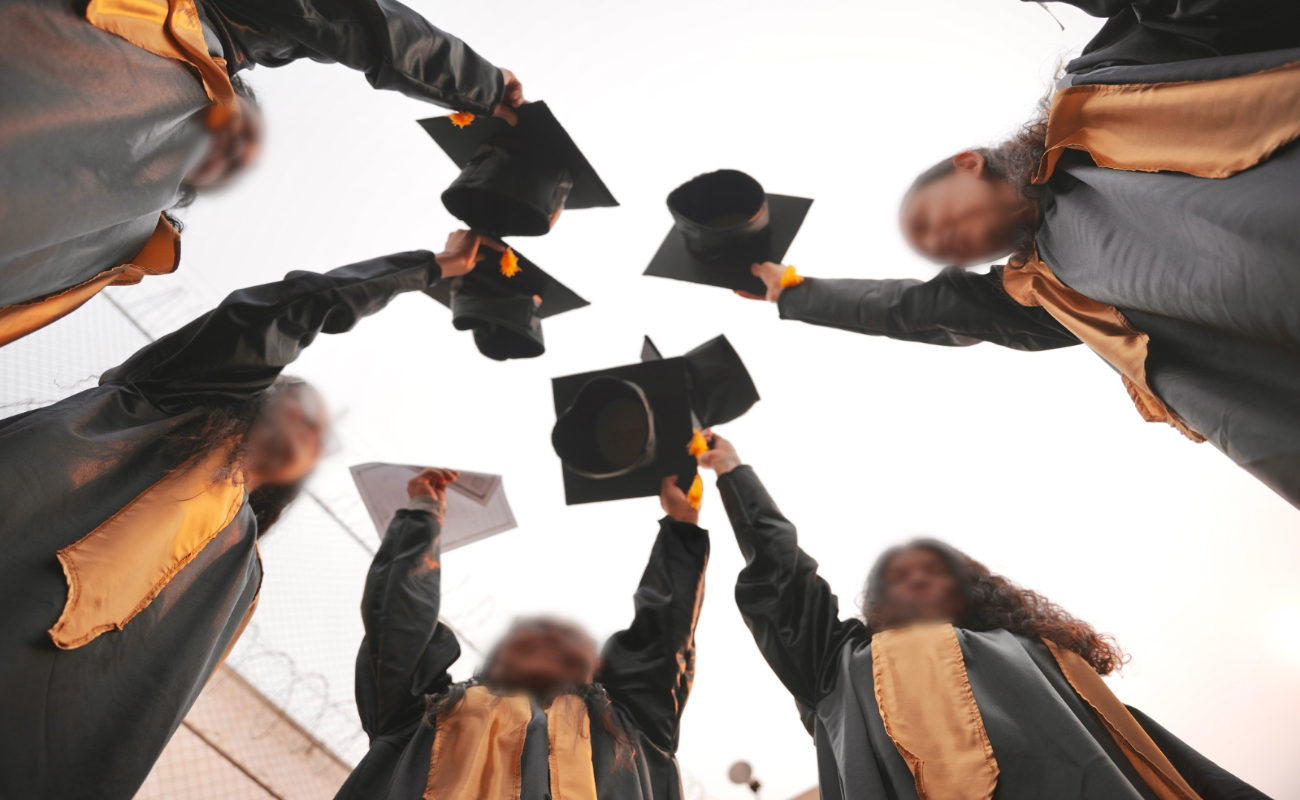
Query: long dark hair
<point>994,602</point>
<point>599,707</point>
<point>228,425</point>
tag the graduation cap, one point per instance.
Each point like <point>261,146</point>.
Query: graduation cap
<point>620,431</point>
<point>722,223</point>
<point>515,179</point>
<point>500,309</point>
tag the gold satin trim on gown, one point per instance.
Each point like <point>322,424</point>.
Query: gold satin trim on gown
<point>1147,759</point>
<point>116,570</point>
<point>1103,328</point>
<point>477,748</point>
<point>568,730</point>
<point>1210,129</point>
<point>171,29</point>
<point>930,712</point>
<point>159,256</point>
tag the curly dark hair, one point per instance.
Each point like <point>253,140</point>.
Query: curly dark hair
<point>1012,161</point>
<point>231,422</point>
<point>995,603</point>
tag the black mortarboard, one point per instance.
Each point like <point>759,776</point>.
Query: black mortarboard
<point>620,431</point>
<point>723,222</point>
<point>514,179</point>
<point>500,309</point>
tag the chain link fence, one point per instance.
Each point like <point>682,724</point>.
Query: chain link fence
<point>278,720</point>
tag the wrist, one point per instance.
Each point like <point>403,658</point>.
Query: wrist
<point>424,502</point>
<point>726,465</point>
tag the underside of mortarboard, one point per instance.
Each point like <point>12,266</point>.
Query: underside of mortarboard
<point>724,222</point>
<point>619,432</point>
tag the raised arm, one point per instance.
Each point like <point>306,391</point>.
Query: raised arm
<point>649,667</point>
<point>789,608</point>
<point>406,652</point>
<point>393,45</point>
<point>1210,781</point>
<point>956,308</point>
<point>240,347</point>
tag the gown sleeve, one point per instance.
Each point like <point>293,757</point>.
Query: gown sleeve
<point>956,308</point>
<point>1210,781</point>
<point>394,46</point>
<point>789,608</point>
<point>406,652</point>
<point>239,348</point>
<point>649,667</point>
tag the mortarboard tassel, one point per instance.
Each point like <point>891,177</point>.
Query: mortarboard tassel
<point>696,494</point>
<point>510,263</point>
<point>790,278</point>
<point>461,118</point>
<point>698,446</point>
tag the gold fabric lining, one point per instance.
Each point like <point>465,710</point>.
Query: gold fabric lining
<point>568,730</point>
<point>115,571</point>
<point>171,29</point>
<point>1102,327</point>
<point>161,255</point>
<point>1211,129</point>
<point>1146,757</point>
<point>477,748</point>
<point>930,713</point>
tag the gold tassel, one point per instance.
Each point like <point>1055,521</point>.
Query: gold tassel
<point>790,278</point>
<point>510,263</point>
<point>696,495</point>
<point>698,446</point>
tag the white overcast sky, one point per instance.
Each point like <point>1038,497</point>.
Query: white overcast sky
<point>1036,464</point>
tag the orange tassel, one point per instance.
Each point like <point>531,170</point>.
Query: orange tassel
<point>696,495</point>
<point>461,118</point>
<point>699,445</point>
<point>790,278</point>
<point>510,263</point>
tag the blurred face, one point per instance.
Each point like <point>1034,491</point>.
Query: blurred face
<point>288,438</point>
<point>542,656</point>
<point>919,587</point>
<point>963,218</point>
<point>231,150</point>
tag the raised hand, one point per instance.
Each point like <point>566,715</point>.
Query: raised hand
<point>675,503</point>
<point>460,254</point>
<point>432,482</point>
<point>769,272</point>
<point>511,98</point>
<point>721,457</point>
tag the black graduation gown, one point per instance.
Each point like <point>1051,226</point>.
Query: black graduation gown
<point>96,133</point>
<point>647,669</point>
<point>1205,267</point>
<point>89,722</point>
<point>1047,741</point>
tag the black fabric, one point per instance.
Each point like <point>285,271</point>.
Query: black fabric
<point>1163,31</point>
<point>709,385</point>
<point>1207,779</point>
<point>1047,741</point>
<point>646,670</point>
<point>515,178</point>
<point>97,134</point>
<point>72,465</point>
<point>956,308</point>
<point>393,45</point>
<point>721,388</point>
